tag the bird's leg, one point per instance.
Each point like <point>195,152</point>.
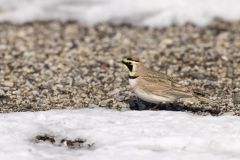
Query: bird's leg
<point>157,106</point>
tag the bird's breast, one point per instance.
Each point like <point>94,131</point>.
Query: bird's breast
<point>150,97</point>
<point>146,95</point>
<point>133,82</point>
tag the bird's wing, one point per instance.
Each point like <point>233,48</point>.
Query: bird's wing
<point>164,87</point>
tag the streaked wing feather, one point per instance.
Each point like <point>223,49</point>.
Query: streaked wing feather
<point>161,87</point>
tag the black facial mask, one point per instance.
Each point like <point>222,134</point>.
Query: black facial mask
<point>129,65</point>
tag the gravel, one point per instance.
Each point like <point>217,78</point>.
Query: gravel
<point>46,65</point>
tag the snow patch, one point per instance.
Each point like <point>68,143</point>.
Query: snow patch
<point>140,12</point>
<point>120,135</point>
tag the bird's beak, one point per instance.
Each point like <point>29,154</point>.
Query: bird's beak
<point>124,61</point>
<point>118,61</point>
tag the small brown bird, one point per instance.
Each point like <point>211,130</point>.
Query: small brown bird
<point>156,87</point>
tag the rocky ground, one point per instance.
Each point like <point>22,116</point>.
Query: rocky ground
<point>45,65</point>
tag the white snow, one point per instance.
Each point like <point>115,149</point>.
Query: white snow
<point>140,12</point>
<point>119,135</point>
<point>134,135</point>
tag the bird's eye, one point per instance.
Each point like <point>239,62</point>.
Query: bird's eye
<point>130,66</point>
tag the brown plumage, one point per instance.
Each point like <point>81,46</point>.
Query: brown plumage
<point>157,87</point>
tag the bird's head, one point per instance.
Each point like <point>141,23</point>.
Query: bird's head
<point>133,65</point>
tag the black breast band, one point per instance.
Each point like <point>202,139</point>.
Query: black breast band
<point>132,77</point>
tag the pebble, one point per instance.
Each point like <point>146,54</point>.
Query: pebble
<point>69,65</point>
<point>35,93</point>
<point>7,84</point>
<point>2,93</point>
<point>236,98</point>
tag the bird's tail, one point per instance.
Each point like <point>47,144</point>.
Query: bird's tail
<point>207,100</point>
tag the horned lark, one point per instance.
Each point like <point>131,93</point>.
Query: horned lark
<point>156,87</point>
